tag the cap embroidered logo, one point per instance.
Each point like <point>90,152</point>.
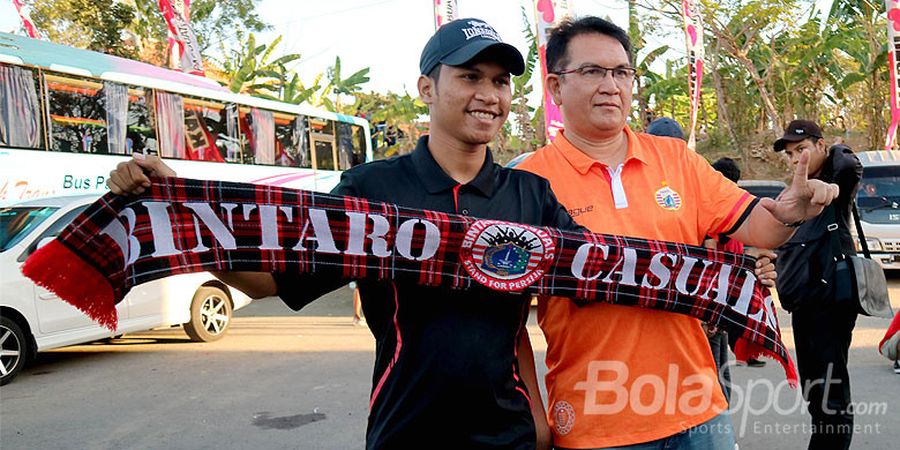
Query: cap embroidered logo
<point>480,29</point>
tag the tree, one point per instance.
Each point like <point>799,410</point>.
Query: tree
<point>741,29</point>
<point>860,28</point>
<point>97,25</point>
<point>248,69</point>
<point>645,76</point>
<point>342,86</point>
<point>530,127</point>
<point>137,29</point>
<point>391,112</point>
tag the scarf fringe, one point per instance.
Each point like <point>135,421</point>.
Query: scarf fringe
<point>60,270</point>
<point>744,350</point>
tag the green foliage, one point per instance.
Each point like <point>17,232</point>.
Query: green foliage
<point>338,85</point>
<point>394,113</point>
<point>530,126</point>
<point>250,69</point>
<point>136,28</point>
<point>774,60</point>
<point>97,25</point>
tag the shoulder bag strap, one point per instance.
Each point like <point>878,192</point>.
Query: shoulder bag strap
<point>832,226</point>
<point>859,231</point>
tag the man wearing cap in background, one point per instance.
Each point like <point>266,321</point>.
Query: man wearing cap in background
<point>620,376</point>
<point>822,327</point>
<point>452,369</point>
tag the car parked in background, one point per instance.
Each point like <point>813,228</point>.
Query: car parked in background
<point>33,319</point>
<point>763,188</point>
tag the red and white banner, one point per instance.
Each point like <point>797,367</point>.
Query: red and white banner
<point>177,14</point>
<point>26,19</point>
<point>444,11</point>
<point>893,16</point>
<point>547,14</point>
<point>693,30</point>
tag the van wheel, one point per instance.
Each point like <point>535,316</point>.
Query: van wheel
<point>13,349</point>
<point>210,315</point>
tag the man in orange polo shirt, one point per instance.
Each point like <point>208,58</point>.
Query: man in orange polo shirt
<point>620,375</point>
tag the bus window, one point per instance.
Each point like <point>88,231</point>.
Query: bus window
<point>210,131</point>
<point>321,136</point>
<point>291,141</point>
<point>169,120</point>
<point>257,136</point>
<point>351,145</point>
<point>345,145</point>
<point>140,136</point>
<point>77,115</point>
<point>115,104</point>
<point>20,112</point>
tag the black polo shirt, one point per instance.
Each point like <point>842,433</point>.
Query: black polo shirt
<point>446,374</point>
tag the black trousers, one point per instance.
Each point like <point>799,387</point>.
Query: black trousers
<point>822,336</point>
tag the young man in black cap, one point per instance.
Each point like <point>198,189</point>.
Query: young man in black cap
<point>452,369</point>
<point>822,325</point>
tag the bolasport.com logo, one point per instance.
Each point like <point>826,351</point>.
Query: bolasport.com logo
<point>755,406</point>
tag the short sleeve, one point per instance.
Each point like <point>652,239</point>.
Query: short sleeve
<point>556,215</point>
<point>847,173</point>
<point>723,205</point>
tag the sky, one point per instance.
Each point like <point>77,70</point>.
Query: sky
<point>385,35</point>
<point>388,35</point>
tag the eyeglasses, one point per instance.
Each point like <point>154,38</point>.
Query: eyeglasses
<point>594,72</point>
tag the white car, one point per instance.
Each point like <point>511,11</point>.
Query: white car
<point>33,319</point>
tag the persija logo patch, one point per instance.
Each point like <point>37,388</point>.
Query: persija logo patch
<point>506,256</point>
<point>668,199</point>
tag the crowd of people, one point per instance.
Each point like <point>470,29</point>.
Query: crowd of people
<point>453,369</point>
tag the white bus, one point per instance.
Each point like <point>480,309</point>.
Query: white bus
<point>68,116</point>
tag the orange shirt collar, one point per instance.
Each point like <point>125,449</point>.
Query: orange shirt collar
<point>583,163</point>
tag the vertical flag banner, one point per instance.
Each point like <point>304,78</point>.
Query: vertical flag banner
<point>693,30</point>
<point>26,19</point>
<point>893,16</point>
<point>177,14</point>
<point>547,14</point>
<point>444,11</point>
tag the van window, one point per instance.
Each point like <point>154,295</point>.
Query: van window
<point>878,198</point>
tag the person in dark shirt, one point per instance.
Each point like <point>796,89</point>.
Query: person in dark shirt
<point>823,328</point>
<point>453,369</point>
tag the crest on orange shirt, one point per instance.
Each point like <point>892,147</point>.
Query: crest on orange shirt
<point>668,199</point>
<point>563,417</point>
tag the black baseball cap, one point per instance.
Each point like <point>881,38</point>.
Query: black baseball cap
<point>797,131</point>
<point>458,42</point>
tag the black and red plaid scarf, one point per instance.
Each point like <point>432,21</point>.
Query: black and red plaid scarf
<point>183,225</point>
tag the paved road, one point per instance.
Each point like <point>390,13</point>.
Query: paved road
<point>289,380</point>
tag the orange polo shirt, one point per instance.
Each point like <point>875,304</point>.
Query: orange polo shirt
<point>621,375</point>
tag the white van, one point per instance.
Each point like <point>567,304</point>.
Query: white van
<point>33,319</point>
<point>878,201</point>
